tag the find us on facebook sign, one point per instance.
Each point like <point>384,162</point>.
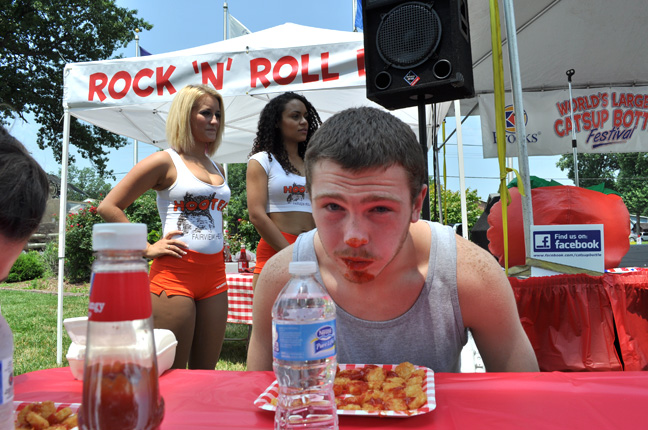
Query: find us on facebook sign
<point>577,245</point>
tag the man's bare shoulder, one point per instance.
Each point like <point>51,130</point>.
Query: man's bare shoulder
<point>476,266</point>
<point>275,272</point>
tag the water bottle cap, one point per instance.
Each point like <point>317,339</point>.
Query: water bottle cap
<point>119,236</point>
<point>302,267</point>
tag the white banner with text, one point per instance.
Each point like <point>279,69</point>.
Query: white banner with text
<point>613,119</point>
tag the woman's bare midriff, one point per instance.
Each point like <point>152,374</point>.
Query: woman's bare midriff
<point>293,222</point>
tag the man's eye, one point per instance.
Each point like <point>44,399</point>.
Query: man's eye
<point>333,207</point>
<point>381,209</point>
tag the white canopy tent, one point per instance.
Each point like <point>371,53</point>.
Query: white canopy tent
<point>601,40</point>
<point>131,97</point>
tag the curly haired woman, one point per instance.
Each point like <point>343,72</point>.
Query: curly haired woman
<point>278,204</point>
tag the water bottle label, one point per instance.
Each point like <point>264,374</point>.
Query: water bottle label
<point>6,380</point>
<point>119,296</point>
<point>304,342</point>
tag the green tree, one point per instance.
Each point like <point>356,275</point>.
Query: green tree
<point>623,172</point>
<point>593,169</point>
<point>633,184</point>
<point>451,201</point>
<point>144,210</point>
<point>37,39</point>
<point>90,181</point>
<point>239,228</point>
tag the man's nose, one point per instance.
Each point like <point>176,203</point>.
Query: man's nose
<point>355,235</point>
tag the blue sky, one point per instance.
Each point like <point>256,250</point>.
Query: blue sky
<point>200,22</point>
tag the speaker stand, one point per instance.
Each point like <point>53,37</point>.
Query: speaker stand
<point>423,140</point>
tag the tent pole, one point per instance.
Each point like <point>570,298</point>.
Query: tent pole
<point>225,12</point>
<point>570,73</point>
<point>62,224</point>
<point>462,180</point>
<point>137,54</point>
<point>435,159</point>
<point>423,141</point>
<point>520,129</point>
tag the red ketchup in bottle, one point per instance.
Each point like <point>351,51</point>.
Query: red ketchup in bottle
<point>243,260</point>
<point>120,379</point>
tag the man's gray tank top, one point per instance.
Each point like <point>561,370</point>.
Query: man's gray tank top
<point>431,333</point>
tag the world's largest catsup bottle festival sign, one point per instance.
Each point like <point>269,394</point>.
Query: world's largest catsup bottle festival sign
<point>613,119</point>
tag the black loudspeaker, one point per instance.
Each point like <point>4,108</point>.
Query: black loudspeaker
<point>479,232</point>
<point>417,48</point>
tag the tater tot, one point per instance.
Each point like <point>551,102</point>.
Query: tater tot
<point>404,370</point>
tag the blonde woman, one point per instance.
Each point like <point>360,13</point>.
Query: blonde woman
<point>188,284</point>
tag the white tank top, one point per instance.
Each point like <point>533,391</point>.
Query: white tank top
<point>194,207</point>
<point>431,333</point>
<point>286,191</point>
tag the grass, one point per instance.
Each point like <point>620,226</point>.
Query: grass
<point>31,313</point>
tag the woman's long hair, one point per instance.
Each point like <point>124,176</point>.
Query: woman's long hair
<point>269,137</point>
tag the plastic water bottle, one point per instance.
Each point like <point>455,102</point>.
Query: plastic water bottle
<point>304,352</point>
<point>243,260</point>
<point>6,376</point>
<point>120,379</point>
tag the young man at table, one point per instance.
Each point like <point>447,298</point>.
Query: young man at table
<point>405,289</point>
<point>23,196</point>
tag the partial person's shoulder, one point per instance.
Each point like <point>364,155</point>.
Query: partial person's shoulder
<point>260,157</point>
<point>476,265</point>
<point>275,271</point>
<point>159,158</point>
<point>157,163</point>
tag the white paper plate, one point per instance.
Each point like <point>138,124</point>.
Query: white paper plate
<point>264,401</point>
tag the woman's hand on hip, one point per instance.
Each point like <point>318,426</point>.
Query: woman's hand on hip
<point>167,246</point>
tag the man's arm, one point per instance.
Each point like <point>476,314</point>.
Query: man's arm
<point>488,308</point>
<point>271,281</point>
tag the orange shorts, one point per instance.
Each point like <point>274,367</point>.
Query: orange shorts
<point>264,251</point>
<point>195,275</point>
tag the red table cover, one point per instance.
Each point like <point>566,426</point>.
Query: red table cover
<point>201,399</point>
<point>628,294</point>
<point>239,297</point>
<point>571,320</point>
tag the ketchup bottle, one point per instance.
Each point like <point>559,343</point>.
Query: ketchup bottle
<point>243,260</point>
<point>120,379</point>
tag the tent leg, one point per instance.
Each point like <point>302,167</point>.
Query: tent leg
<point>520,129</point>
<point>423,140</point>
<point>437,169</point>
<point>462,180</point>
<point>61,246</point>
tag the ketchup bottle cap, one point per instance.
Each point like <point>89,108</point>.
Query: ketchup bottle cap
<point>119,236</point>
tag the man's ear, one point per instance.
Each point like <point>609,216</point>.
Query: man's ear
<point>418,203</point>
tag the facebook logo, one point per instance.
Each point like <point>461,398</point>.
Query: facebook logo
<point>542,241</point>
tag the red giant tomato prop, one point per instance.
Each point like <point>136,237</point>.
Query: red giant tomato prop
<point>557,206</point>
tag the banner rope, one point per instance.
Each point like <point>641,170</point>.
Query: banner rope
<point>498,85</point>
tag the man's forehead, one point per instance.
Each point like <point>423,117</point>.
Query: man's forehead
<point>327,164</point>
<point>330,178</point>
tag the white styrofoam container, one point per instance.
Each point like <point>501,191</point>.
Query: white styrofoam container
<point>165,346</point>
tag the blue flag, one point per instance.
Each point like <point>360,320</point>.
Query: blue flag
<point>358,17</point>
<point>144,52</point>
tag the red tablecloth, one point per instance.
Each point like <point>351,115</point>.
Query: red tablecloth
<point>239,296</point>
<point>580,322</point>
<point>201,399</point>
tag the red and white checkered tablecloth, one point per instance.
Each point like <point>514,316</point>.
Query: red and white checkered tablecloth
<point>239,296</point>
